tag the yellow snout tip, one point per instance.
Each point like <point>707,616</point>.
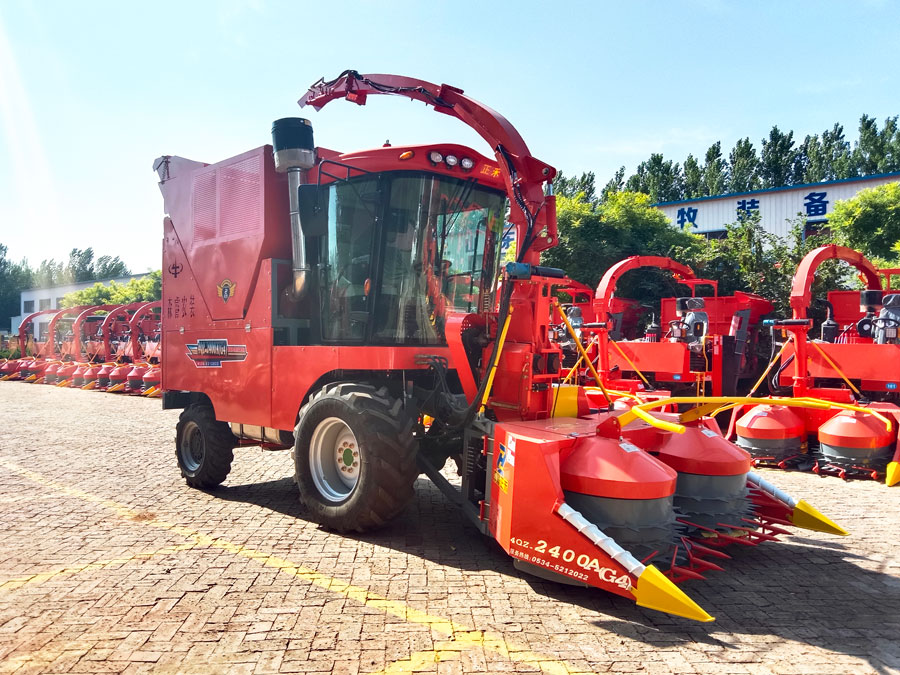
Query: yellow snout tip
<point>892,477</point>
<point>809,518</point>
<point>656,591</point>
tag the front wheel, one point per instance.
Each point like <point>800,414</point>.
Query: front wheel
<point>203,446</point>
<point>354,456</point>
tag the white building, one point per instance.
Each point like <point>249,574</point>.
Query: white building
<point>776,206</point>
<point>38,299</point>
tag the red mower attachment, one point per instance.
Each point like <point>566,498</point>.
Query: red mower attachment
<point>851,368</point>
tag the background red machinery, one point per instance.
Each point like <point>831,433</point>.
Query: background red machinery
<point>701,344</point>
<point>351,306</point>
<point>106,347</point>
<point>30,363</point>
<point>855,362</point>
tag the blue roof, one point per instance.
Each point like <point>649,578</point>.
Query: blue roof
<point>895,174</point>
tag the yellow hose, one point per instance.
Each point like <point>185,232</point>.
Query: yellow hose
<point>641,411</point>
<point>501,339</point>
<point>835,366</point>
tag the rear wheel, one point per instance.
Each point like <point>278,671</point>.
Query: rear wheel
<point>204,447</point>
<point>355,456</point>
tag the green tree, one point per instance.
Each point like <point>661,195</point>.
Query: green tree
<point>837,156</point>
<point>49,273</point>
<point>569,187</point>
<point>870,221</point>
<point>813,160</point>
<point>876,151</point>
<point>14,278</point>
<point>693,178</point>
<point>715,171</point>
<point>778,159</point>
<point>146,289</point>
<point>661,179</point>
<point>750,259</point>
<point>109,267</point>
<point>615,184</point>
<point>81,265</point>
<point>743,167</point>
<point>592,238</point>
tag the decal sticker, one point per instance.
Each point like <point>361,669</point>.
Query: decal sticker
<point>226,289</point>
<point>510,449</point>
<point>565,560</point>
<point>709,433</point>
<point>210,353</point>
<point>629,447</point>
<point>499,478</point>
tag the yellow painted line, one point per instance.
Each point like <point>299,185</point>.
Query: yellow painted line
<point>452,650</point>
<point>460,634</point>
<point>40,577</point>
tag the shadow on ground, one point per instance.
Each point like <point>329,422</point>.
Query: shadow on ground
<point>804,589</point>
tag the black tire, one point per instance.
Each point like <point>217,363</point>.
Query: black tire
<point>383,480</point>
<point>203,446</point>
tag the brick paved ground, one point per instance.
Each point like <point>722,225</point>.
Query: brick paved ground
<point>109,563</point>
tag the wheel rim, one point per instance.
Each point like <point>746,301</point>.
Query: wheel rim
<point>192,447</point>
<point>334,459</point>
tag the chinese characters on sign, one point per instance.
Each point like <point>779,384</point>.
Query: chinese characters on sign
<point>687,215</point>
<point>180,307</point>
<point>815,203</point>
<point>746,206</point>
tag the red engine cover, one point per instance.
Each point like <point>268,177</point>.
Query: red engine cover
<point>852,429</point>
<point>771,422</point>
<point>604,467</point>
<point>699,450</point>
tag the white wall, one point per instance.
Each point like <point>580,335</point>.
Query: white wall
<point>776,207</point>
<point>51,297</point>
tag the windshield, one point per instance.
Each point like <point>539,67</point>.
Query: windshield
<point>436,251</point>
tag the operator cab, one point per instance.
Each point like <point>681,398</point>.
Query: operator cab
<point>692,323</point>
<point>395,251</point>
<point>888,320</point>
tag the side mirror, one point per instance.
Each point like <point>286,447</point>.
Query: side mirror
<point>313,214</point>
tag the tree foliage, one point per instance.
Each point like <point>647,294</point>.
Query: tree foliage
<point>146,289</point>
<point>594,236</point>
<point>752,260</point>
<point>781,162</point>
<point>870,222</point>
<point>14,278</point>
<point>81,266</point>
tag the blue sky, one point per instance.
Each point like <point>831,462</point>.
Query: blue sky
<point>92,92</point>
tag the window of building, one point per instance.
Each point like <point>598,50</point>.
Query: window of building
<point>28,306</point>
<point>44,304</point>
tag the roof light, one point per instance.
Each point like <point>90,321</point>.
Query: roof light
<point>451,160</point>
<point>409,154</point>
<point>467,164</point>
<point>435,157</point>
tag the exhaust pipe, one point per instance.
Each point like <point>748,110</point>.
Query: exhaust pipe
<point>295,154</point>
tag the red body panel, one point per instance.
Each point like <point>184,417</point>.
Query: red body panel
<point>653,357</point>
<point>721,310</point>
<point>877,367</point>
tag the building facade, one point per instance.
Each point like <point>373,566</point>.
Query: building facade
<point>777,207</point>
<point>39,299</point>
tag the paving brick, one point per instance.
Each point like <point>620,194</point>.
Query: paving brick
<point>124,595</point>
